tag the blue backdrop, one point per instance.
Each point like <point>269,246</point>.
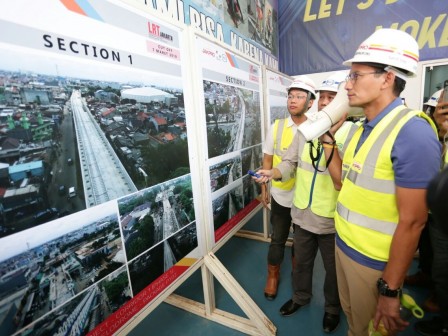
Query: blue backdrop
<point>318,35</point>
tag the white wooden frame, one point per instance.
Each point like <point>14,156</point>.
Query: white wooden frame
<point>256,323</point>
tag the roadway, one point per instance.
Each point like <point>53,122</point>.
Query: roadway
<point>103,175</point>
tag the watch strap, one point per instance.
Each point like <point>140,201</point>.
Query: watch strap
<point>385,290</point>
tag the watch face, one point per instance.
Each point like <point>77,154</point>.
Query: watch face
<point>384,289</point>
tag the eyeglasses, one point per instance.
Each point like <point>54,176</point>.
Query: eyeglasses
<point>353,77</point>
<point>297,97</point>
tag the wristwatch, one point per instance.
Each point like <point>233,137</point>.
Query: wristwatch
<point>383,289</point>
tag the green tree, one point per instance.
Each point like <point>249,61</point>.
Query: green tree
<point>218,141</point>
<point>145,237</point>
<point>225,107</point>
<point>114,288</point>
<point>170,157</point>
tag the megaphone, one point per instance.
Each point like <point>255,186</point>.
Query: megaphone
<point>320,122</point>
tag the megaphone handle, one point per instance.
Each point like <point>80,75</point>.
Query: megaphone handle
<point>417,312</point>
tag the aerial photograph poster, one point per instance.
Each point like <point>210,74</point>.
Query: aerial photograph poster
<point>63,264</point>
<point>276,100</point>
<point>79,112</point>
<point>159,229</point>
<point>233,127</point>
<point>90,113</point>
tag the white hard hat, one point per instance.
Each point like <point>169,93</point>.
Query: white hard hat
<point>332,82</point>
<point>391,47</point>
<point>434,98</point>
<point>305,83</point>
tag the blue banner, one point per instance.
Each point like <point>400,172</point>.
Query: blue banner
<point>318,35</point>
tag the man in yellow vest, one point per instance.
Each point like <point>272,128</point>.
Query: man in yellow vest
<point>301,95</point>
<point>385,171</point>
<point>438,231</point>
<point>312,213</point>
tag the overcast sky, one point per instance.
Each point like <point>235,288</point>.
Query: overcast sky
<point>20,242</point>
<point>37,62</point>
<point>27,29</point>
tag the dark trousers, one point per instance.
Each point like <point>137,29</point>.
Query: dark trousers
<point>305,250</point>
<point>280,226</point>
<point>425,249</point>
<point>439,241</point>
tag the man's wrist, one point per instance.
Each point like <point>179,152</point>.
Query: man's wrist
<point>273,174</point>
<point>385,290</point>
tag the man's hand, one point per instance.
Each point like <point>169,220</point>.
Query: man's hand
<point>265,195</point>
<point>388,311</point>
<point>265,175</point>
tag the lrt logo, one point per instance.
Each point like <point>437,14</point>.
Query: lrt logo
<point>153,29</point>
<point>253,70</point>
<point>276,79</point>
<point>221,57</point>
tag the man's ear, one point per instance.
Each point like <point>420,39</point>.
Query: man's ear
<point>390,78</point>
<point>310,103</point>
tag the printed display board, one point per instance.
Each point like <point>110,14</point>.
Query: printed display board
<point>277,85</point>
<point>249,26</point>
<point>232,118</point>
<point>97,214</point>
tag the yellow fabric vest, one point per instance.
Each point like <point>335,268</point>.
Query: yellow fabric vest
<point>283,136</point>
<point>322,198</point>
<point>366,212</point>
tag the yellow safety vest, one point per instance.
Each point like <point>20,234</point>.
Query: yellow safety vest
<point>283,136</point>
<point>366,212</point>
<point>322,198</point>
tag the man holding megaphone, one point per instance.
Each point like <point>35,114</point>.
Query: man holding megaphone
<point>383,176</point>
<point>381,208</point>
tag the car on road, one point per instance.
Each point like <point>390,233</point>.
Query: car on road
<point>69,161</point>
<point>19,215</point>
<point>46,215</point>
<point>61,190</point>
<point>71,192</point>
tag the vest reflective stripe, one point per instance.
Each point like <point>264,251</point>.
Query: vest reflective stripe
<point>367,179</point>
<point>283,136</point>
<point>345,133</point>
<point>374,152</point>
<point>368,227</point>
<point>371,183</point>
<point>279,124</point>
<point>367,222</point>
<point>309,167</point>
<point>305,161</point>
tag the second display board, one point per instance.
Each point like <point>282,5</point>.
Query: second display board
<point>231,115</point>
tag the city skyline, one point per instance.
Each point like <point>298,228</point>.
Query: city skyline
<point>25,240</point>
